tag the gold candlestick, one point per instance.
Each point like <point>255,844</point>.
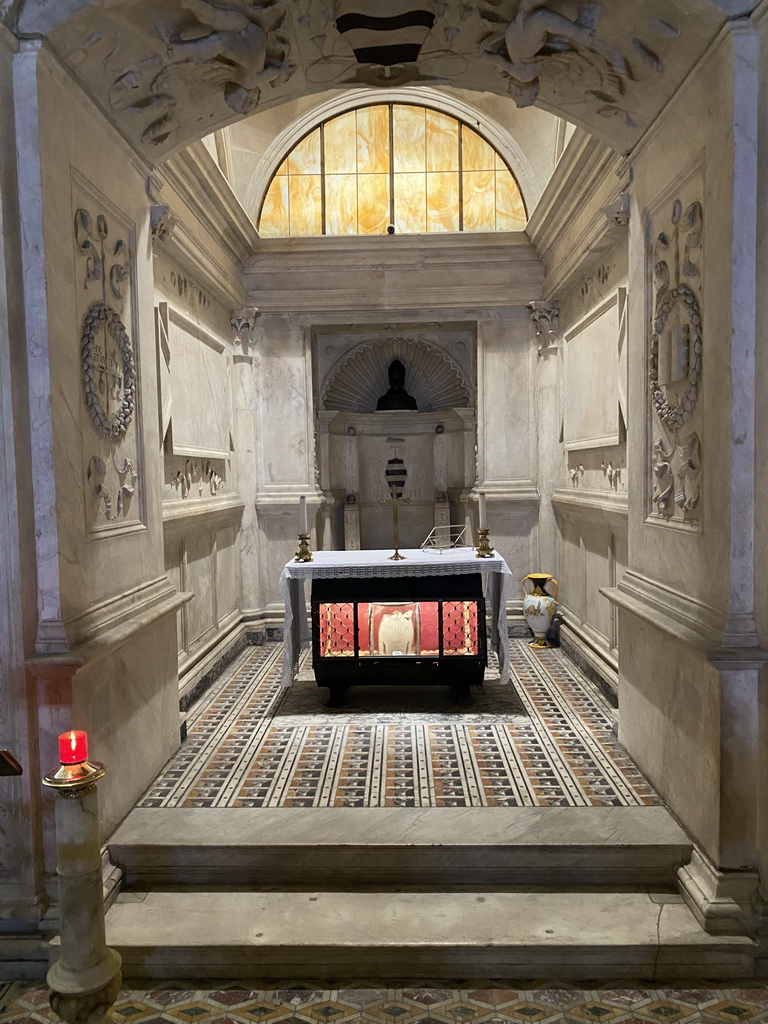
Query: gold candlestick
<point>484,549</point>
<point>303,554</point>
<point>397,557</point>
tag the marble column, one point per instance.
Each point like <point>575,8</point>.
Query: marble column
<point>545,319</point>
<point>285,446</point>
<point>244,404</point>
<point>507,409</point>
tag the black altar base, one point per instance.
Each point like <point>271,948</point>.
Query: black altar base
<point>402,631</point>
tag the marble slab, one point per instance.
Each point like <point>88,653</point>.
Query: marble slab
<point>397,934</point>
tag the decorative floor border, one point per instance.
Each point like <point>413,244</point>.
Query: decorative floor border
<point>546,740</point>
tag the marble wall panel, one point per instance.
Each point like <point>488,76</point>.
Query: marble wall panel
<point>201,581</point>
<point>571,570</point>
<point>174,568</point>
<point>201,401</point>
<point>598,566</point>
<point>591,379</point>
<point>671,724</point>
<point>80,153</point>
<point>227,573</point>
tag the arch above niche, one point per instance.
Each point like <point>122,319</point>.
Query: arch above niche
<point>357,381</point>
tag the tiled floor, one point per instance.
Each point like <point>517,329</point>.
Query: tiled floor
<point>368,1002</point>
<point>546,740</point>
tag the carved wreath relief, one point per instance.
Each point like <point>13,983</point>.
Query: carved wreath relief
<point>675,358</point>
<point>108,364</point>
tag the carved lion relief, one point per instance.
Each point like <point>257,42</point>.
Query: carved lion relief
<point>675,359</point>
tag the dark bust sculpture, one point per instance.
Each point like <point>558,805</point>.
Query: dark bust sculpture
<point>396,397</point>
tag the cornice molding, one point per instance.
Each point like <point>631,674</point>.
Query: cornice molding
<point>581,173</point>
<point>218,255</point>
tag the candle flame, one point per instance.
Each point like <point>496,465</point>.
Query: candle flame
<point>72,740</point>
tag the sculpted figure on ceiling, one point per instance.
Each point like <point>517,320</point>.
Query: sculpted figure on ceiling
<point>536,34</point>
<point>227,45</point>
<point>236,41</point>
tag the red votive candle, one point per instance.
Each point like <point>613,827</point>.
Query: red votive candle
<point>73,746</point>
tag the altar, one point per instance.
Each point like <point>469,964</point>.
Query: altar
<point>420,620</point>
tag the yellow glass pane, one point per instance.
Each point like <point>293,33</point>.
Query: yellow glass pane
<point>373,204</point>
<point>283,168</point>
<point>408,138</point>
<point>340,150</point>
<point>476,154</point>
<point>442,142</point>
<point>305,192</point>
<point>305,158</point>
<point>500,165</point>
<point>479,201</point>
<point>274,222</point>
<point>410,203</point>
<point>341,204</point>
<point>373,140</point>
<point>510,211</point>
<point>443,201</point>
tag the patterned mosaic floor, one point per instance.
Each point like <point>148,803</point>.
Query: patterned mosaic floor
<point>544,741</point>
<point>478,1002</point>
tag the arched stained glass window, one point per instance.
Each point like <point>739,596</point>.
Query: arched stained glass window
<point>410,166</point>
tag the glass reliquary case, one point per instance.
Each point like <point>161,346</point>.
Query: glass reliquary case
<point>403,631</point>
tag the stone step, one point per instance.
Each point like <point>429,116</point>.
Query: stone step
<point>281,935</point>
<point>364,847</point>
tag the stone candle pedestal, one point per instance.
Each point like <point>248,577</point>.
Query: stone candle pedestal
<point>85,980</point>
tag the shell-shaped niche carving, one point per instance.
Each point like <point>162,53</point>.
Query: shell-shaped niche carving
<point>356,383</point>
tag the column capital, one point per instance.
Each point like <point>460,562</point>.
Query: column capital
<point>545,316</point>
<point>161,223</point>
<point>243,321</point>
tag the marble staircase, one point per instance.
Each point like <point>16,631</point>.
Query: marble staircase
<point>545,892</point>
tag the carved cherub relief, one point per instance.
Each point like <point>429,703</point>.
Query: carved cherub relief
<point>228,45</point>
<point>235,40</point>
<point>536,33</point>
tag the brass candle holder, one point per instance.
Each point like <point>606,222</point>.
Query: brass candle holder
<point>484,549</point>
<point>303,554</point>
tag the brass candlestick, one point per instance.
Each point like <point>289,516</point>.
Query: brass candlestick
<point>303,554</point>
<point>484,549</point>
<point>397,557</point>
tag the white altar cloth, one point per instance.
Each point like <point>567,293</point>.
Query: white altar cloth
<point>376,564</point>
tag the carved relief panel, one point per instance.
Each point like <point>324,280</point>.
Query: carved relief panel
<point>106,316</point>
<point>675,349</point>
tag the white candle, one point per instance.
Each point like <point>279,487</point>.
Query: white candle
<point>303,522</point>
<point>483,516</point>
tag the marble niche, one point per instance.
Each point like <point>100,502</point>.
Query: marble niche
<point>436,441</point>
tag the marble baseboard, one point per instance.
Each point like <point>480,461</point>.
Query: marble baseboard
<point>246,638</point>
<point>587,666</point>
